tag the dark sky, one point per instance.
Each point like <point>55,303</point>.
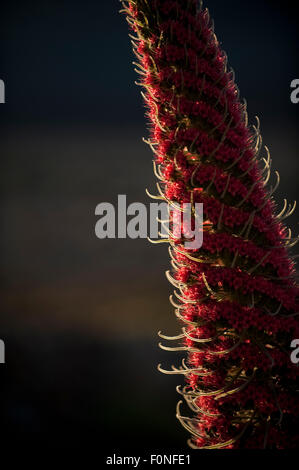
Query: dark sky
<point>70,61</point>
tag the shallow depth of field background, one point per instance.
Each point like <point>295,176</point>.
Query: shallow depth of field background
<point>79,315</point>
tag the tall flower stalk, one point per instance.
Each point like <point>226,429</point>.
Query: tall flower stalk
<point>236,297</point>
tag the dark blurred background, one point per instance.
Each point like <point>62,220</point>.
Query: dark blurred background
<point>80,315</point>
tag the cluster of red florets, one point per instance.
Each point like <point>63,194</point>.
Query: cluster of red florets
<point>238,299</point>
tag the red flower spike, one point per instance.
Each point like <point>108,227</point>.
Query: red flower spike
<point>237,297</point>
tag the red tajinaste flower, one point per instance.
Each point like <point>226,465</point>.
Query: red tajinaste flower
<point>236,297</point>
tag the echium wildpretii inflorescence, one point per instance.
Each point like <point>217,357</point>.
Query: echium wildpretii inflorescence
<point>236,297</point>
